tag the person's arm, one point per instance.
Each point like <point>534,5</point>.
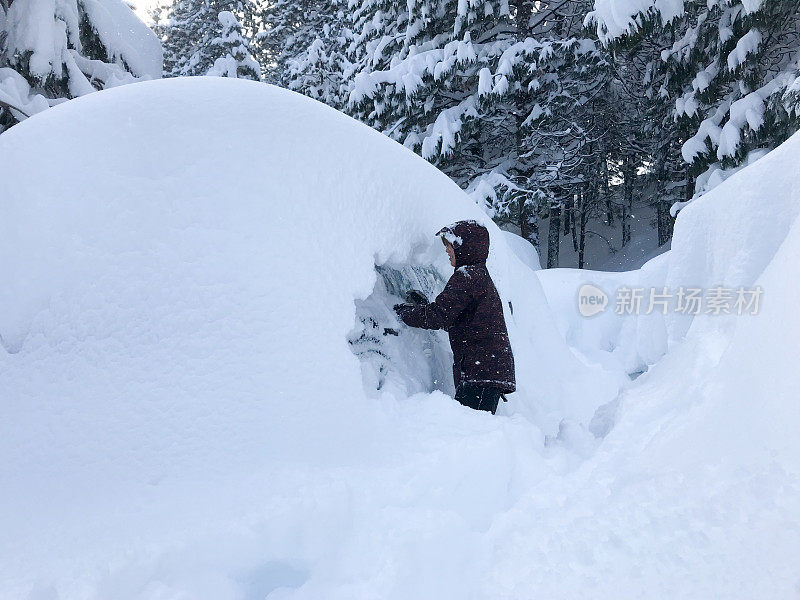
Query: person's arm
<point>444,310</point>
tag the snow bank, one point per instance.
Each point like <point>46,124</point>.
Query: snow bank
<point>710,447</point>
<point>695,491</point>
<point>524,250</point>
<point>724,239</point>
<point>182,414</point>
<point>729,236</point>
<point>622,343</point>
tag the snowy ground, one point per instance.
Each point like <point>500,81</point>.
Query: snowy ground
<point>183,416</point>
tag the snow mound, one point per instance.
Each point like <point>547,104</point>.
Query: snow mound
<point>182,414</point>
<point>524,250</point>
<point>717,243</point>
<point>695,491</point>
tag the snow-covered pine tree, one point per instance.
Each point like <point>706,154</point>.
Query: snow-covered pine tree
<point>439,77</point>
<point>737,102</point>
<point>311,39</point>
<point>516,102</point>
<point>187,28</point>
<point>646,132</point>
<point>627,148</point>
<point>555,82</point>
<point>725,70</point>
<point>55,50</point>
<point>235,58</point>
<point>574,121</point>
<point>194,35</point>
<point>506,99</point>
<point>416,76</point>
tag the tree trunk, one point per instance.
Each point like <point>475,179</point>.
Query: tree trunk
<point>661,204</point>
<point>554,234</point>
<point>568,204</point>
<point>590,198</point>
<point>628,175</point>
<point>581,216</point>
<point>604,187</point>
<point>689,190</point>
<point>522,219</point>
<point>663,219</point>
<point>573,211</point>
<point>522,18</point>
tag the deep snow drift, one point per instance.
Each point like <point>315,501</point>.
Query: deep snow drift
<point>698,481</point>
<point>185,414</point>
<point>177,305</point>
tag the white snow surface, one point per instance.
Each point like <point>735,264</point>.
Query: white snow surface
<point>715,244</point>
<point>697,483</point>
<point>524,250</point>
<point>182,417</point>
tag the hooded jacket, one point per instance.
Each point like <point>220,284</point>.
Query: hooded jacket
<point>470,310</point>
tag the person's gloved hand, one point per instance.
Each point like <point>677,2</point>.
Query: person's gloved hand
<point>402,309</point>
<point>416,297</point>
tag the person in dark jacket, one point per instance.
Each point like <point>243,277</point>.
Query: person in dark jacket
<point>470,310</point>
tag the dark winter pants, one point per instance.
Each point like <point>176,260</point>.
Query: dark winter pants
<point>478,397</point>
